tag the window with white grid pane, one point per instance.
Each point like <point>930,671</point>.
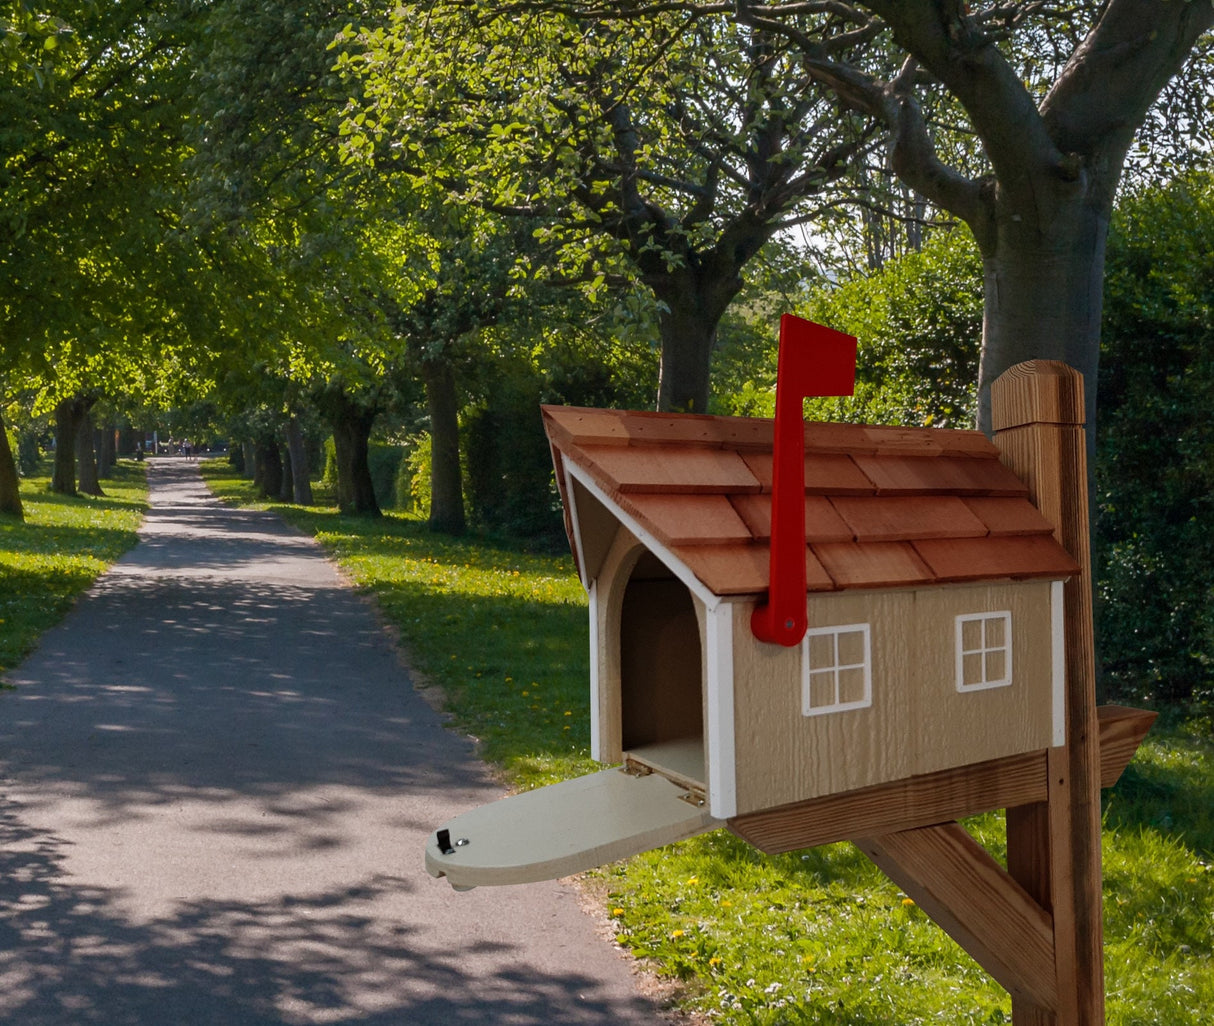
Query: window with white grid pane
<point>984,651</point>
<point>836,669</point>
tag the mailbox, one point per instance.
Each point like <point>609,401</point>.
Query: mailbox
<point>931,630</point>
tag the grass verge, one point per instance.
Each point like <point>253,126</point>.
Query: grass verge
<point>812,937</point>
<point>64,543</point>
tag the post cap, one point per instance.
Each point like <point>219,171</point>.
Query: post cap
<point>1037,392</point>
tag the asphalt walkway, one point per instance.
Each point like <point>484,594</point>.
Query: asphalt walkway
<point>215,784</point>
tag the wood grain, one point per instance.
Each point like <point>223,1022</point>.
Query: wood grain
<point>1015,783</point>
<point>907,518</point>
<point>956,882</point>
<point>687,519</point>
<point>1037,413</point>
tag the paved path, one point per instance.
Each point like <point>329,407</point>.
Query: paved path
<point>215,785</point>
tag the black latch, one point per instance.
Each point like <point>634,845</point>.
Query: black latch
<point>444,842</point>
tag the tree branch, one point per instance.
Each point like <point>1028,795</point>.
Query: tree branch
<point>1116,73</point>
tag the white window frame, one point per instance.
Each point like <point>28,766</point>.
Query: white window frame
<point>807,673</point>
<point>1005,617</point>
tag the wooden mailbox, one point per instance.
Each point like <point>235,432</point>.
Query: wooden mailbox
<point>934,605</point>
<point>934,660</point>
<point>925,633</point>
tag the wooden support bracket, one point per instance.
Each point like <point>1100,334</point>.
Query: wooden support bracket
<point>955,881</point>
<point>1012,782</point>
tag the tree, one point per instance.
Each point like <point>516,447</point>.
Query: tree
<point>100,289</point>
<point>1056,139</point>
<point>1153,543</point>
<point>919,320</point>
<point>1054,94</point>
<point>267,179</point>
<point>10,487</point>
<point>665,153</point>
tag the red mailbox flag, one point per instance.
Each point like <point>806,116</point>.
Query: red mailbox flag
<point>813,361</point>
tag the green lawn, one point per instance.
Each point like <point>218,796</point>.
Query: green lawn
<point>818,936</point>
<point>64,543</point>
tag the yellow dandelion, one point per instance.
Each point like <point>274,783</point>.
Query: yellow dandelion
<point>676,934</point>
<point>907,902</point>
<point>726,903</point>
<point>692,880</point>
<point>617,911</point>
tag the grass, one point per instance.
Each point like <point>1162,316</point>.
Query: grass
<point>64,543</point>
<point>813,937</point>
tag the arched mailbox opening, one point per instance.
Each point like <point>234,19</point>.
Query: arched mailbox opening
<point>661,675</point>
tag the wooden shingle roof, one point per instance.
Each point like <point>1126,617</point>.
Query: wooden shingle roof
<point>884,506</point>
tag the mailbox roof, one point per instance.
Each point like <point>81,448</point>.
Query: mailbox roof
<point>884,506</point>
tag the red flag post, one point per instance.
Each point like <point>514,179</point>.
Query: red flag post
<point>813,361</point>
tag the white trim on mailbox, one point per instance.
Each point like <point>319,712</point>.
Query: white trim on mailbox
<point>596,695</point>
<point>1058,660</point>
<point>721,750</point>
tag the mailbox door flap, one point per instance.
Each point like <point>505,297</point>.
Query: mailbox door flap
<point>564,828</point>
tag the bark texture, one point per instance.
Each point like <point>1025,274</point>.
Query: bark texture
<point>88,474</point>
<point>297,451</point>
<point>695,299</point>
<point>351,422</point>
<point>10,486</point>
<point>68,415</point>
<point>268,476</point>
<point>446,479</point>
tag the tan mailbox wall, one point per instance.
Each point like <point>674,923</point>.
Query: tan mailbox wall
<point>917,720</point>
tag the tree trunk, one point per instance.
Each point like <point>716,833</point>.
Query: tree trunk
<point>68,415</point>
<point>286,479</point>
<point>249,453</point>
<point>88,480</point>
<point>297,452</point>
<point>1043,289</point>
<point>10,487</point>
<point>268,477</point>
<point>351,423</point>
<point>695,299</point>
<point>446,481</point>
<point>107,450</point>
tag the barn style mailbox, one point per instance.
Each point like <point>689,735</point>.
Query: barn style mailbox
<point>906,619</point>
<point>820,632</point>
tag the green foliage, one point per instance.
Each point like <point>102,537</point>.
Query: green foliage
<point>59,550</point>
<point>919,326</point>
<point>98,286</point>
<point>1154,499</point>
<point>510,483</point>
<point>328,476</point>
<point>509,478</point>
<point>413,478</point>
<point>655,155</point>
<point>384,460</point>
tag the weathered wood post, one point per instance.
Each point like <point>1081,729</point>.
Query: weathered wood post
<point>1054,846</point>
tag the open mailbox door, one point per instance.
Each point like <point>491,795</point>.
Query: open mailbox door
<point>565,828</point>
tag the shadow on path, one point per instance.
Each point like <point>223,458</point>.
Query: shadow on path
<point>216,783</point>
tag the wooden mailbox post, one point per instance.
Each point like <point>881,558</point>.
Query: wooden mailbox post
<point>946,669</point>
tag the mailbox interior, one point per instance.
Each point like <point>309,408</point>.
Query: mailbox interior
<point>661,674</point>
